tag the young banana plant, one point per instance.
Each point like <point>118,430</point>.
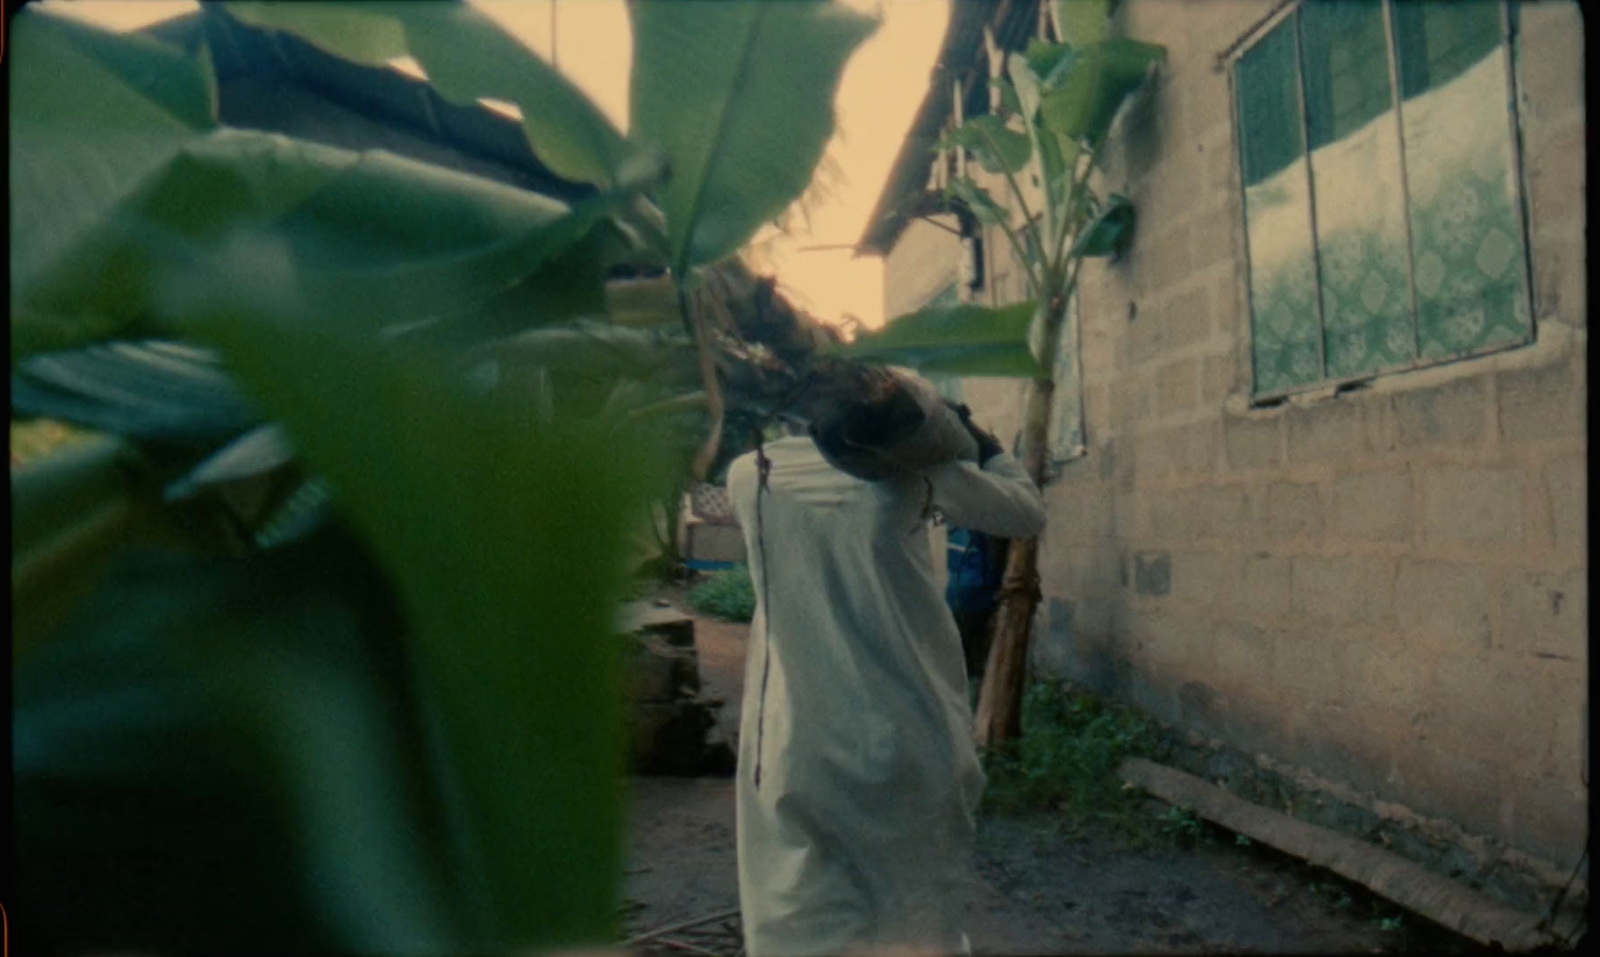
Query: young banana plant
<point>1060,100</point>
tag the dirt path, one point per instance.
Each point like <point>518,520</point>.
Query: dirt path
<point>1034,890</point>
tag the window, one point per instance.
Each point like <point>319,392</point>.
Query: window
<point>1382,204</point>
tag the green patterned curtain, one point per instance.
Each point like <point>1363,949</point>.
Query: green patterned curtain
<point>1398,237</point>
<point>1286,340</point>
<point>1360,203</point>
<point>1466,231</point>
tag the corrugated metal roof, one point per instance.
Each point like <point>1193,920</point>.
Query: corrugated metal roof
<point>903,196</point>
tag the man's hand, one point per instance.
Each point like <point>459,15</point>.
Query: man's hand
<point>988,445</point>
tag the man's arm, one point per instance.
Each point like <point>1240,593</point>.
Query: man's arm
<point>997,498</point>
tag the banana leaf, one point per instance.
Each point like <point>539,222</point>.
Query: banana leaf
<point>504,536</point>
<point>739,96</point>
<point>999,148</point>
<point>93,113</point>
<point>1081,22</point>
<point>1096,80</point>
<point>1109,231</point>
<point>965,339</point>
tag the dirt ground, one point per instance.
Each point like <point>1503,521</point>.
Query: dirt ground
<point>1035,890</point>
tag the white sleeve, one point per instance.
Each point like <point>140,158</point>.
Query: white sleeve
<point>997,499</point>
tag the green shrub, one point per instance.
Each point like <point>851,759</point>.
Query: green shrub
<point>1067,756</point>
<point>728,594</point>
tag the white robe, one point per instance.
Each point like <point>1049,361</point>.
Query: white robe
<point>858,779</point>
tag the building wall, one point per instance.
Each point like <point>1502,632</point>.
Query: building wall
<point>923,262</point>
<point>1385,587</point>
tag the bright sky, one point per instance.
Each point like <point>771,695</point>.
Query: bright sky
<point>878,97</point>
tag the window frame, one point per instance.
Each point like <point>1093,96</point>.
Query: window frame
<point>1228,61</point>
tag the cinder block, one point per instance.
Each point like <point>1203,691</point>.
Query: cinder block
<point>1567,482</point>
<point>1445,601</point>
<point>1377,432</point>
<point>1211,234</point>
<point>1308,665</point>
<point>1131,402</point>
<point>1129,514</point>
<point>1222,171</point>
<point>1253,443</point>
<point>1348,591</point>
<point>1561,284</point>
<point>1172,517</point>
<point>1195,447</point>
<point>1373,506</point>
<point>1552,80</point>
<point>1545,613</point>
<point>1152,453</point>
<point>1388,679</point>
<point>1206,101</point>
<point>1324,431</point>
<point>1160,260</point>
<point>1491,707</point>
<point>1089,502</point>
<point>1261,585</point>
<point>1294,510</point>
<point>1569,707</point>
<point>1097,409</point>
<point>1198,579</point>
<point>1165,640</point>
<point>1187,317</point>
<point>1480,506</point>
<point>1152,574</point>
<point>1450,414</point>
<point>1555,175</point>
<point>1242,657</point>
<point>1177,386</point>
<point>1545,403</point>
<point>1222,510</point>
<point>1216,380</point>
<point>1550,818</point>
<point>1442,781</point>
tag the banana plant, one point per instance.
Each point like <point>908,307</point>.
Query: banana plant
<point>356,296</point>
<point>351,293</point>
<point>1061,99</point>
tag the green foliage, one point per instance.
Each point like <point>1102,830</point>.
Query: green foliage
<point>963,339</point>
<point>999,148</point>
<point>1068,754</point>
<point>1097,79</point>
<point>503,536</point>
<point>348,292</point>
<point>1064,97</point>
<point>1108,231</point>
<point>739,96</point>
<point>726,594</point>
<point>1081,22</point>
<point>1180,826</point>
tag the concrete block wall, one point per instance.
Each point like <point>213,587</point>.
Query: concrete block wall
<point>1386,587</point>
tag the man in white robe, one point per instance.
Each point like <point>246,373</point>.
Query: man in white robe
<point>858,779</point>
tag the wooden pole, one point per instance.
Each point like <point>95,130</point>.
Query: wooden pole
<point>999,716</point>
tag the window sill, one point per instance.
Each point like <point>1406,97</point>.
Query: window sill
<point>1554,343</point>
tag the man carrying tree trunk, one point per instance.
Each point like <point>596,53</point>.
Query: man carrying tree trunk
<point>858,777</point>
